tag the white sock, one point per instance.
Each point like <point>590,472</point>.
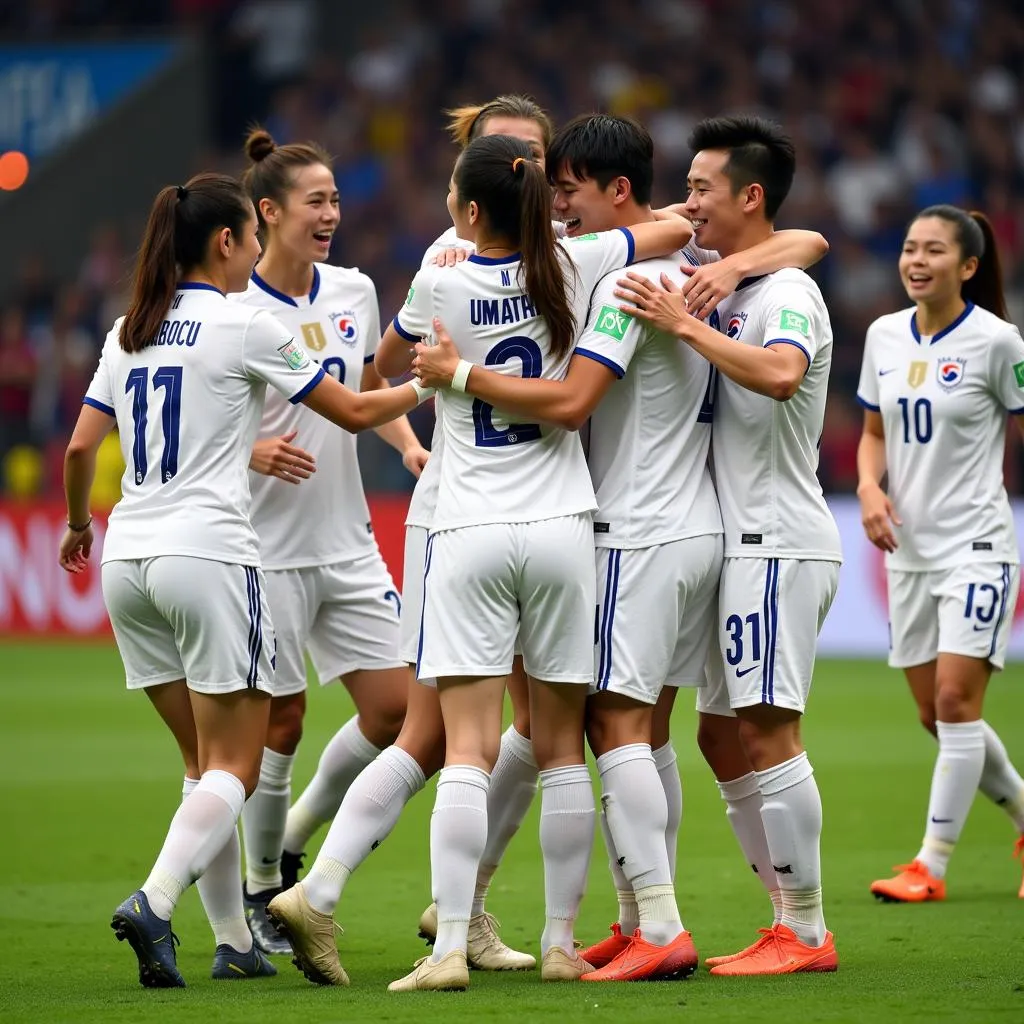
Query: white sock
<point>629,916</point>
<point>458,834</point>
<point>566,838</point>
<point>668,772</point>
<point>263,819</point>
<point>634,804</point>
<point>344,757</point>
<point>199,829</point>
<point>365,819</point>
<point>955,780</point>
<point>1000,781</point>
<point>513,787</point>
<point>743,811</point>
<point>220,890</point>
<point>791,812</point>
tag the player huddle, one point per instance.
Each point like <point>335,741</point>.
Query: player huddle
<point>687,543</point>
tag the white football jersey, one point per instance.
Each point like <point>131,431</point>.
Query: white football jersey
<point>766,452</point>
<point>944,402</point>
<point>494,470</point>
<point>188,408</point>
<point>325,519</point>
<point>651,433</point>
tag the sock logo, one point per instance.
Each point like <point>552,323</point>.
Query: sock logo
<point>753,868</point>
<point>786,869</point>
<point>376,843</point>
<point>622,860</point>
<point>941,821</point>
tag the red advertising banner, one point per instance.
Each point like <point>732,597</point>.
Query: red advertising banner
<point>38,598</point>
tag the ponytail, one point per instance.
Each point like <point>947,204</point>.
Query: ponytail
<point>156,274</point>
<point>467,123</point>
<point>541,266</point>
<point>177,238</point>
<point>499,174</point>
<point>975,238</point>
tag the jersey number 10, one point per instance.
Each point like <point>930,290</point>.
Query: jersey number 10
<point>137,385</point>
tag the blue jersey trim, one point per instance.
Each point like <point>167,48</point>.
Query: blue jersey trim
<point>868,405</point>
<point>795,344</point>
<point>315,290</point>
<point>411,338</point>
<point>367,359</point>
<point>488,261</point>
<point>99,405</point>
<point>1016,412</point>
<point>945,330</point>
<point>300,395</point>
<point>748,281</point>
<point>604,360</point>
<point>199,286</point>
<point>631,245</point>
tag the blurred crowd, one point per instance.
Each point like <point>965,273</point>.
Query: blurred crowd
<point>894,105</point>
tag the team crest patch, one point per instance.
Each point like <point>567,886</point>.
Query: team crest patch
<point>950,372</point>
<point>346,326</point>
<point>612,322</point>
<point>294,356</point>
<point>917,373</point>
<point>734,328</point>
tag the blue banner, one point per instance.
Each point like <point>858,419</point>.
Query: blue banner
<point>49,94</point>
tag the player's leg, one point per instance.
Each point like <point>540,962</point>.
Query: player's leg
<point>292,600</point>
<point>668,770</point>
<point>355,637</point>
<point>770,635</point>
<point>557,597</point>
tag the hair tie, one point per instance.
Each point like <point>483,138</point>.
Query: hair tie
<point>517,163</point>
<point>182,192</point>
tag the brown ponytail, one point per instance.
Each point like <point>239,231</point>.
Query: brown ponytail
<point>499,174</point>
<point>975,237</point>
<point>466,123</point>
<point>181,221</point>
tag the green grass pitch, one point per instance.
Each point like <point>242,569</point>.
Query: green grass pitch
<point>89,780</point>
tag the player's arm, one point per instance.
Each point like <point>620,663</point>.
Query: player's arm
<point>1020,424</point>
<point>876,512</point>
<point>565,403</point>
<point>79,471</point>
<point>709,283</point>
<point>278,457</point>
<point>354,411</point>
<point>398,433</point>
<point>393,357</point>
<point>772,370</point>
<point>660,237</point>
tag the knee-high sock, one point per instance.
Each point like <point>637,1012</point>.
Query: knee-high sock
<point>344,757</point>
<point>1000,781</point>
<point>199,829</point>
<point>263,820</point>
<point>365,819</point>
<point>668,772</point>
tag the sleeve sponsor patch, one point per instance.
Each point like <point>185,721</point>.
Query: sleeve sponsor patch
<point>408,298</point>
<point>1018,372</point>
<point>791,320</point>
<point>294,356</point>
<point>581,238</point>
<point>612,322</point>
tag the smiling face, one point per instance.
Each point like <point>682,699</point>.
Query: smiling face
<point>582,205</point>
<point>716,212</point>
<point>304,225</point>
<point>932,267</point>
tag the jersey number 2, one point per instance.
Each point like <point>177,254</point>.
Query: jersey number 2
<point>168,377</point>
<point>487,435</point>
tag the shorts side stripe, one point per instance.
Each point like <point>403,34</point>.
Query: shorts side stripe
<point>423,603</point>
<point>252,619</point>
<point>602,649</point>
<point>769,612</point>
<point>614,559</point>
<point>1002,609</point>
<point>255,624</point>
<point>775,627</point>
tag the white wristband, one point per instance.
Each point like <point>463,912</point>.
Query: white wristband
<point>422,393</point>
<point>461,375</point>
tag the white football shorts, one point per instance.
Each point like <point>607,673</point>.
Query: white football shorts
<point>770,611</point>
<point>483,585</point>
<point>966,610</point>
<point>345,614</point>
<point>656,615</point>
<point>412,592</point>
<point>180,617</point>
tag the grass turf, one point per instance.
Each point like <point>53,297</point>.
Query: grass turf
<point>89,779</point>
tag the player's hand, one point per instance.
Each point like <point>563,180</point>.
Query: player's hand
<point>435,364</point>
<point>75,547</point>
<point>706,286</point>
<point>663,308</point>
<point>415,459</point>
<point>278,457</point>
<point>878,517</point>
<point>451,256</point>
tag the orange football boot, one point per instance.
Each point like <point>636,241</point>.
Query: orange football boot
<point>784,953</point>
<point>605,951</point>
<point>766,936</point>
<point>914,884</point>
<point>644,961</point>
<point>1018,851</point>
